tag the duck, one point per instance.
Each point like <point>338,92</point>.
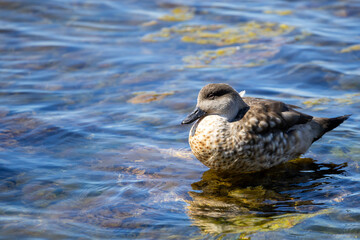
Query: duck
<point>233,133</point>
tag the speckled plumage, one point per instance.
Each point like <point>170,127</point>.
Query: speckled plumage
<point>258,135</point>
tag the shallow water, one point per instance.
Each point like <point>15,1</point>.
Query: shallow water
<point>93,92</point>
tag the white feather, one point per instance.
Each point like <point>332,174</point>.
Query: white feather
<point>242,93</point>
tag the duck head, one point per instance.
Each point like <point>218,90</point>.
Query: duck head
<point>217,99</point>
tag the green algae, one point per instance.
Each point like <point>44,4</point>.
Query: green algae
<point>221,35</point>
<point>243,33</point>
<point>255,42</point>
<point>249,55</point>
<point>178,14</point>
<point>147,97</point>
<point>323,103</point>
<point>232,218</point>
<point>239,34</point>
<point>351,49</point>
<point>316,101</point>
<point>279,12</point>
<point>262,224</point>
<point>185,30</point>
<point>245,44</point>
<point>249,203</point>
<point>244,55</point>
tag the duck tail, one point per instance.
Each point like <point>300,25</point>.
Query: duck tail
<point>328,124</point>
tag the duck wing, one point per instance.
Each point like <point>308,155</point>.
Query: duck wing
<point>265,115</point>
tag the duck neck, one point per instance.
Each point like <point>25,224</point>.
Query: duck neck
<point>243,109</point>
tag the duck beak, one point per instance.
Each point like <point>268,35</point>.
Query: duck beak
<point>196,114</point>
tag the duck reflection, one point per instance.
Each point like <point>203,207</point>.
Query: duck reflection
<point>278,198</point>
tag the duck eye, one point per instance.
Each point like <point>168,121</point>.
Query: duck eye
<point>211,96</point>
<point>216,94</point>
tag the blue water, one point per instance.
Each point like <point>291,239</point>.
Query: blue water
<point>93,92</point>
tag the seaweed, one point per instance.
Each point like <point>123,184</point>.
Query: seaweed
<point>324,102</point>
<point>351,49</point>
<point>178,14</point>
<point>221,35</point>
<point>147,97</point>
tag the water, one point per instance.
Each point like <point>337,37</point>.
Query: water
<point>93,93</point>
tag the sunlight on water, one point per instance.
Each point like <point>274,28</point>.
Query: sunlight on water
<point>93,94</point>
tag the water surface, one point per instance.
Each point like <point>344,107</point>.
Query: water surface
<point>93,92</point>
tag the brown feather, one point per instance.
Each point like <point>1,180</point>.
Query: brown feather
<point>278,110</point>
